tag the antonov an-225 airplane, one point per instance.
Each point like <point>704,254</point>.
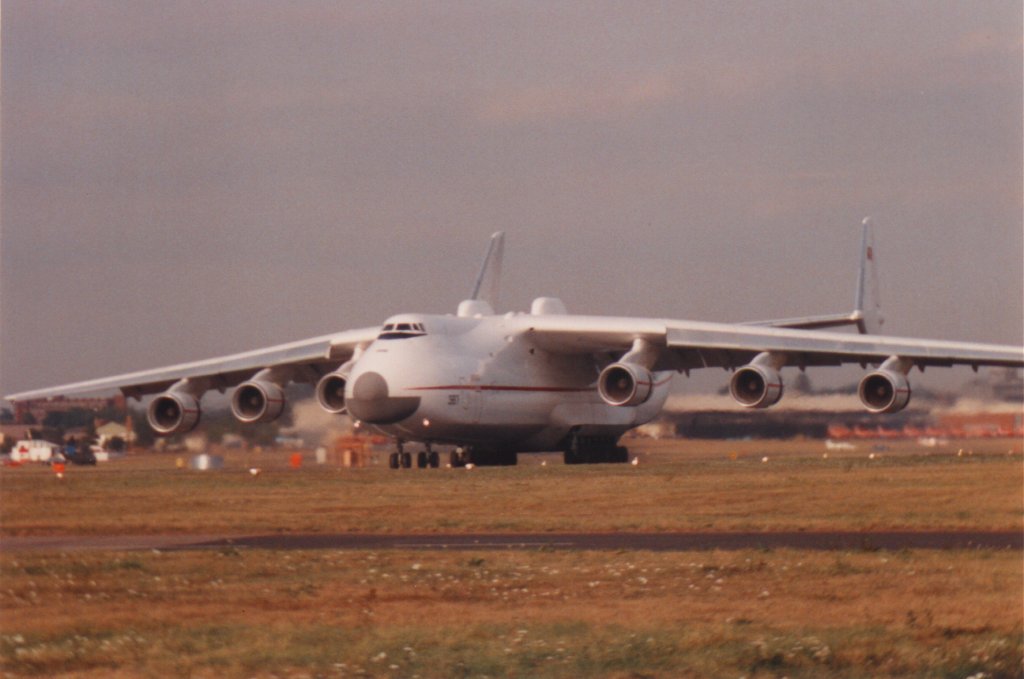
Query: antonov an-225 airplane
<point>495,385</point>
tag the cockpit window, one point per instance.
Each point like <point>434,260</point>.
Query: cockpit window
<point>402,331</point>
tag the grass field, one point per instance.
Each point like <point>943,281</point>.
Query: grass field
<point>543,613</point>
<point>702,488</point>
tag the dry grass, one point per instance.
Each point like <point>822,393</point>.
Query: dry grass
<point>512,614</point>
<point>699,487</point>
<point>520,613</point>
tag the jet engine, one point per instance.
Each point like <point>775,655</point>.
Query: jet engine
<point>257,401</point>
<point>173,412</point>
<point>625,384</point>
<point>330,391</point>
<point>756,386</point>
<point>884,391</point>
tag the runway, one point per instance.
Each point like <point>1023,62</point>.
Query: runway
<point>660,542</point>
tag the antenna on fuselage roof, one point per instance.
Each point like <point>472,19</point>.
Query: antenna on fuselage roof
<point>487,286</point>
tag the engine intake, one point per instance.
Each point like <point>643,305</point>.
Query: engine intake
<point>173,413</point>
<point>257,401</point>
<point>330,392</point>
<point>756,386</point>
<point>625,384</point>
<point>884,391</point>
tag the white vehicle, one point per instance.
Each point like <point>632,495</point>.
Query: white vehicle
<point>34,450</point>
<point>496,385</point>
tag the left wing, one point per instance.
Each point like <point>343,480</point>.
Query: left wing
<point>636,348</point>
<point>687,345</point>
<point>707,345</point>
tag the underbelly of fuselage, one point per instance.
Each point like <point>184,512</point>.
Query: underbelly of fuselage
<point>524,419</point>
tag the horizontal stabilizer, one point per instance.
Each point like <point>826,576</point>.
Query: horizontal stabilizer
<point>866,315</point>
<point>814,322</point>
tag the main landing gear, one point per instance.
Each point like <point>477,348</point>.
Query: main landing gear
<point>483,457</point>
<point>403,460</point>
<point>595,450</point>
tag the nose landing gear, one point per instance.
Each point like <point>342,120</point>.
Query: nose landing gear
<point>400,459</point>
<point>424,459</point>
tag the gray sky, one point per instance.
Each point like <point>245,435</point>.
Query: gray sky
<point>187,179</point>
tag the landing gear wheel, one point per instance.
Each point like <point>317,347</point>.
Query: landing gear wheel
<point>434,460</point>
<point>456,459</point>
<point>485,457</point>
<point>572,457</point>
<point>393,461</point>
<point>594,450</point>
<point>421,460</point>
<point>406,460</point>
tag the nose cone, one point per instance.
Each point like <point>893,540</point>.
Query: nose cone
<point>371,403</point>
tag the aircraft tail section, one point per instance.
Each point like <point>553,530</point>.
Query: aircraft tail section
<point>484,298</point>
<point>867,303</point>
<point>487,286</point>
<point>866,314</point>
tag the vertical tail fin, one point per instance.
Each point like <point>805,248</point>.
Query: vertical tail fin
<point>488,281</point>
<point>484,297</point>
<point>867,303</point>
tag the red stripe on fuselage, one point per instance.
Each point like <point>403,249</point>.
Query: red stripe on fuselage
<point>496,387</point>
<point>501,387</point>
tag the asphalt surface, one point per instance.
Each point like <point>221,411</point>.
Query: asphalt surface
<point>661,542</point>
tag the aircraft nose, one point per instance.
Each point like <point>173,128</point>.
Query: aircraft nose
<point>371,401</point>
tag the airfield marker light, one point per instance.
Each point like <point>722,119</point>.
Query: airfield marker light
<point>764,459</point>
<point>426,422</point>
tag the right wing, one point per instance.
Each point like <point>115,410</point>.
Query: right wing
<point>315,356</point>
<point>690,345</point>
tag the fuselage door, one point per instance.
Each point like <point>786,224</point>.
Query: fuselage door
<point>471,397</point>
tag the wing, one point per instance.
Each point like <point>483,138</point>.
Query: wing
<point>316,356</point>
<point>688,345</point>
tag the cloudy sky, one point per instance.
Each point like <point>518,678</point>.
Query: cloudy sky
<point>188,179</point>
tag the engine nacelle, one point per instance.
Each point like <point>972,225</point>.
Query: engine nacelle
<point>884,391</point>
<point>625,384</point>
<point>173,412</point>
<point>257,401</point>
<point>330,392</point>
<point>756,386</point>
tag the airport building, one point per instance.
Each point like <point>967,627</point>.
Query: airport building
<point>40,408</point>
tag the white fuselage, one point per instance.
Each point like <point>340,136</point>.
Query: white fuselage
<point>481,381</point>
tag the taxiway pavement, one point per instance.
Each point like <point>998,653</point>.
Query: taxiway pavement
<point>696,541</point>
